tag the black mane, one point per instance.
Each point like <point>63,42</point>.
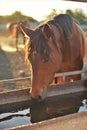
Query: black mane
<point>39,44</point>
<point>64,24</point>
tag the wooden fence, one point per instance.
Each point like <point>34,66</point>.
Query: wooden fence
<point>56,75</point>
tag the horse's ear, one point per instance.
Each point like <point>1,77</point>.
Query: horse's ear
<point>27,31</point>
<point>46,31</point>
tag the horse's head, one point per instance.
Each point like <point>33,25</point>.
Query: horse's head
<point>44,58</point>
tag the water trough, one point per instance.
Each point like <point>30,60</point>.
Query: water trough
<point>62,105</point>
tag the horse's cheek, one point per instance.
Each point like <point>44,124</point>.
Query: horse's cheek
<point>56,61</point>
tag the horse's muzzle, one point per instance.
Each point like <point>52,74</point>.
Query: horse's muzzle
<point>40,96</point>
<point>37,98</point>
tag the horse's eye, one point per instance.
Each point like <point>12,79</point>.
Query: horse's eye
<point>34,52</point>
<point>46,59</point>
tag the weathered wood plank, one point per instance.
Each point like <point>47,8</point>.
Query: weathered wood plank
<point>14,96</point>
<point>54,90</point>
<point>67,88</point>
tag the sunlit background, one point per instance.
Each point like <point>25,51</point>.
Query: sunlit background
<point>39,9</point>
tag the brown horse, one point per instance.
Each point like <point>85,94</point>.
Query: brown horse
<point>56,46</point>
<point>15,30</point>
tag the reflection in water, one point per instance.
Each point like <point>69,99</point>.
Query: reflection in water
<point>56,108</point>
<point>84,107</point>
<point>47,110</point>
<point>38,112</point>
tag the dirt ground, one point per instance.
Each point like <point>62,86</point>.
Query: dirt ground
<point>12,64</point>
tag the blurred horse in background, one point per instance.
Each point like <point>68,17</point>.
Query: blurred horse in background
<point>15,31</point>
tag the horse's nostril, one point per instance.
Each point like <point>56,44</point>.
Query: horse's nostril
<point>37,98</point>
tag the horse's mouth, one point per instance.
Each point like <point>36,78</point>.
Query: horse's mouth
<point>41,96</point>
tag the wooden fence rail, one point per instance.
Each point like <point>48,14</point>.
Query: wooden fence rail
<point>56,75</point>
<point>15,79</point>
